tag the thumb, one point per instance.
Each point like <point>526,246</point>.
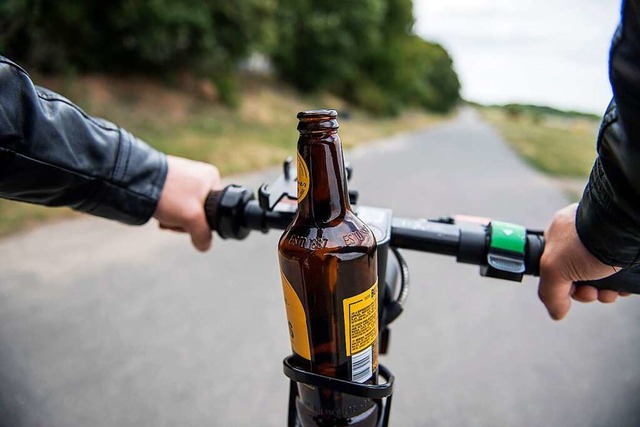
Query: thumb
<point>201,235</point>
<point>555,293</point>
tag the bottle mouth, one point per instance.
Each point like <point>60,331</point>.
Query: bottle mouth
<point>318,114</point>
<point>322,120</point>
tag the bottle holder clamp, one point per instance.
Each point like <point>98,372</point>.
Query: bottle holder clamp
<point>380,393</point>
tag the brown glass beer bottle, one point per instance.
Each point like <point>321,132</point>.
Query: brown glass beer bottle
<point>329,277</point>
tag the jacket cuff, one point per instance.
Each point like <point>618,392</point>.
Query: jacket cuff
<point>605,230</point>
<point>132,194</point>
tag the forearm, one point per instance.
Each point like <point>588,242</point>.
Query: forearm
<point>608,218</point>
<point>52,153</point>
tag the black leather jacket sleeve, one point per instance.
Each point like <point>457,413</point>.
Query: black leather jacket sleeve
<point>608,217</point>
<point>52,153</point>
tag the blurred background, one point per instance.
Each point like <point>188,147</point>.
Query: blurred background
<point>486,107</point>
<point>228,77</point>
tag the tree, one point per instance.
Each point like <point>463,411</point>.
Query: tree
<point>365,51</point>
<point>319,46</point>
<point>119,35</point>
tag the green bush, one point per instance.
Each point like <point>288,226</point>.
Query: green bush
<point>229,90</point>
<point>321,47</point>
<point>364,51</point>
<point>376,99</point>
<point>154,37</point>
<point>123,35</point>
<point>437,87</point>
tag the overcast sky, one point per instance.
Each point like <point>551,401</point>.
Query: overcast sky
<point>551,52</point>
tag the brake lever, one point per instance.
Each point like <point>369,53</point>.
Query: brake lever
<point>285,187</point>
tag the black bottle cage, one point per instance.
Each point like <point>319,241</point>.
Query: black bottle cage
<point>380,393</point>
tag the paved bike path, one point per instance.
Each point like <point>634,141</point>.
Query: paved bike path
<point>107,325</point>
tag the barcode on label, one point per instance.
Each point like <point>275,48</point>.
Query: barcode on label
<point>361,365</point>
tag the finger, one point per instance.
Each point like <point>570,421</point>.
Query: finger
<point>172,228</point>
<point>585,293</point>
<point>607,296</point>
<point>201,235</point>
<point>555,295</point>
<point>624,294</point>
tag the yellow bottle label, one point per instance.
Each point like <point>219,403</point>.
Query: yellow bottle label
<point>361,320</point>
<point>297,320</point>
<point>303,178</point>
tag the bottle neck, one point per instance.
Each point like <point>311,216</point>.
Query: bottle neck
<point>322,184</point>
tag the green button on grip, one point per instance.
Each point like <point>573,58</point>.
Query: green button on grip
<point>508,237</point>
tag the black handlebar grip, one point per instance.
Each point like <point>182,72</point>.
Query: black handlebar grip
<point>211,208</point>
<point>535,247</point>
<point>225,211</point>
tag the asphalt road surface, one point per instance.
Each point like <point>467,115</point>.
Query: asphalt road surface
<point>107,325</point>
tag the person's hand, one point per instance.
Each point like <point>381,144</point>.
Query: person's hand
<point>566,260</point>
<point>181,205</point>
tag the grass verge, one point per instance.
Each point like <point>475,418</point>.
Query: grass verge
<point>562,146</point>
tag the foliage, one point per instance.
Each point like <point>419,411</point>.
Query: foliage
<point>440,81</point>
<point>156,36</point>
<point>319,46</point>
<point>363,50</point>
<point>425,79</point>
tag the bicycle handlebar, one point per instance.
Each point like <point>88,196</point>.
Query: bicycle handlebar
<point>233,213</point>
